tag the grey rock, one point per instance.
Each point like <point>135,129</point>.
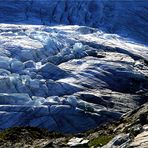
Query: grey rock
<point>120,141</point>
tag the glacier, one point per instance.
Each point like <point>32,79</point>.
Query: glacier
<point>127,18</point>
<point>70,66</point>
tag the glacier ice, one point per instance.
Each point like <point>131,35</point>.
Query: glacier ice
<point>120,17</point>
<point>56,77</point>
<point>79,50</point>
<point>16,66</point>
<point>14,98</point>
<point>29,64</point>
<point>70,66</point>
<point>50,71</point>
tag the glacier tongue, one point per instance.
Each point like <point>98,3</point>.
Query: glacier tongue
<point>68,78</point>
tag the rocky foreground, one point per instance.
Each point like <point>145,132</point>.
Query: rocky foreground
<point>130,132</point>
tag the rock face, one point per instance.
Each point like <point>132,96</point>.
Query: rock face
<point>120,141</point>
<point>141,140</point>
<point>135,124</point>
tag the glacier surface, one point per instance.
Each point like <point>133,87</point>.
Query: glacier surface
<point>56,77</point>
<point>127,18</point>
<point>70,66</point>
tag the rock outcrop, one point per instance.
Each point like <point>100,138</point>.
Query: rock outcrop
<point>135,128</point>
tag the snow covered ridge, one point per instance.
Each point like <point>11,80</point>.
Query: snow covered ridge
<point>56,77</point>
<point>127,18</point>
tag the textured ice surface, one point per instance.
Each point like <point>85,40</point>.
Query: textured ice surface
<point>68,78</point>
<point>71,78</point>
<point>127,18</point>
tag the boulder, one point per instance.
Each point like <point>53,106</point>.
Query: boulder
<point>78,142</point>
<point>120,141</point>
